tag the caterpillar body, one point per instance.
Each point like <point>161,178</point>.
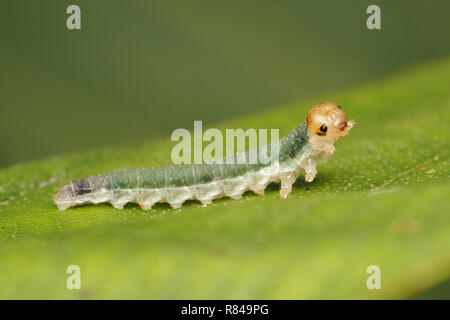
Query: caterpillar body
<point>299,151</point>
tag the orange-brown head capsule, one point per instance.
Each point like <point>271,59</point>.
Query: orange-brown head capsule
<point>327,122</point>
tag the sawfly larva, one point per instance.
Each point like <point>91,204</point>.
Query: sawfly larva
<point>300,150</point>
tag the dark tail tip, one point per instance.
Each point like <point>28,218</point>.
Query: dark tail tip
<point>81,187</point>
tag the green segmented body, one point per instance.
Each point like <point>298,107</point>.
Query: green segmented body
<point>192,181</point>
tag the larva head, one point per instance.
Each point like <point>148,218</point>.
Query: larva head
<point>326,122</point>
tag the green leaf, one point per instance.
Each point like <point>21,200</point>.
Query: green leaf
<point>381,199</point>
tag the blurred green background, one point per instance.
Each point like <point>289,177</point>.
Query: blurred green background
<point>139,69</point>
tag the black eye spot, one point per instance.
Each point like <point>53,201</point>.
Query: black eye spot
<point>343,125</point>
<point>339,107</point>
<point>323,130</point>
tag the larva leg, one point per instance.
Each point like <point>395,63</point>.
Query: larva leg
<point>311,172</point>
<point>329,148</point>
<point>117,205</point>
<point>175,205</point>
<point>205,202</point>
<point>286,185</point>
<point>259,192</point>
